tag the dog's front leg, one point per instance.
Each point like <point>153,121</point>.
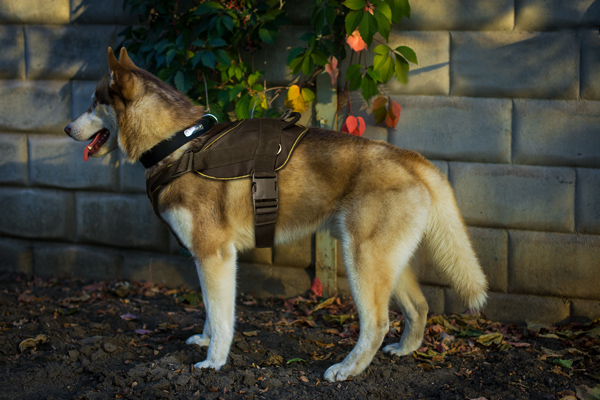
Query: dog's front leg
<point>202,340</point>
<point>217,280</point>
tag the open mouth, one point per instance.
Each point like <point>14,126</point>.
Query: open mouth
<point>99,140</point>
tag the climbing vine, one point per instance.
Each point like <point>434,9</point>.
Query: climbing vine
<point>204,48</point>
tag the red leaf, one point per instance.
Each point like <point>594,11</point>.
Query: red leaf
<point>356,42</point>
<point>354,125</point>
<point>393,115</point>
<point>317,287</point>
<point>332,70</point>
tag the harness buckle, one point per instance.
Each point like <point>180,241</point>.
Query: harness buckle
<point>265,198</point>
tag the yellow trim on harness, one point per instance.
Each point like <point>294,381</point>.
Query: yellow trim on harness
<point>223,134</point>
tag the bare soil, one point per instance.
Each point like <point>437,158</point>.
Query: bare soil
<point>70,339</point>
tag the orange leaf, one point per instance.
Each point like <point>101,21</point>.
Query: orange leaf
<point>393,114</point>
<point>379,110</point>
<point>356,42</point>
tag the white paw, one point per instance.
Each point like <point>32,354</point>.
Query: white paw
<point>200,340</point>
<point>209,364</point>
<point>397,349</point>
<point>337,372</point>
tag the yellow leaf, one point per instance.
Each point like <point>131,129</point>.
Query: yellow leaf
<point>294,99</point>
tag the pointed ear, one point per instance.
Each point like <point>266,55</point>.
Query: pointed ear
<point>121,76</point>
<point>126,60</point>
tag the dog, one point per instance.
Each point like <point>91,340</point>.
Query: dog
<point>381,201</point>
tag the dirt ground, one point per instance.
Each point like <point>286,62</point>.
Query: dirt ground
<point>70,339</point>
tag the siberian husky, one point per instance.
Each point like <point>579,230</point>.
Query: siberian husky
<point>382,201</point>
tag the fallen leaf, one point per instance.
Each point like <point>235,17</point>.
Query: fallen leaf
<point>563,363</point>
<point>324,304</point>
<point>338,318</point>
<point>275,359</point>
<point>295,360</point>
<point>303,379</point>
<point>32,342</point>
<point>142,331</point>
<point>128,317</point>
<point>490,338</point>
<point>250,333</point>
<point>585,393</point>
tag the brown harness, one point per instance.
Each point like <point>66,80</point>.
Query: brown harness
<point>253,148</point>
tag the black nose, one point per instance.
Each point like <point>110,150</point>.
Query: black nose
<point>68,129</point>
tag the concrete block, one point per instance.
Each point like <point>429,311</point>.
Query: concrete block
<point>554,264</point>
<point>267,281</point>
<point>37,213</point>
<point>38,106</point>
<point>376,133</point>
<point>295,254</point>
<point>121,220</point>
<point>58,162</point>
<point>68,261</point>
<point>82,96</point>
<point>455,128</point>
<point>590,64</point>
<point>446,15</point>
<point>132,177</point>
<point>587,205</point>
<point>257,256</point>
<point>543,15</point>
<point>172,271</point>
<point>13,158</point>
<point>105,12</point>
<point>585,308</point>
<point>435,298</point>
<point>555,132</point>
<point>15,256</point>
<point>514,308</point>
<point>491,247</point>
<point>65,52</point>
<point>441,165</point>
<point>516,64</point>
<point>507,196</point>
<point>432,75</point>
<point>12,52</point>
<point>34,12</point>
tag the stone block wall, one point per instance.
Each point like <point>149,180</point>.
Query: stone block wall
<point>505,101</point>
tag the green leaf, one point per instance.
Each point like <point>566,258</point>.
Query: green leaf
<point>355,82</point>
<point>242,110</point>
<point>367,28</point>
<point>296,64</point>
<point>381,49</point>
<point>383,9</point>
<point>308,95</point>
<point>208,59</point>
<point>197,58</point>
<point>207,7</point>
<point>180,82</point>
<point>563,363</point>
<point>399,8</point>
<point>368,87</point>
<point>307,65</point>
<point>170,55</point>
<point>375,74</point>
<point>353,20</point>
<point>401,69</point>
<point>384,25</point>
<point>295,52</point>
<point>407,53</point>
<point>385,65</point>
<point>253,77</point>
<point>295,360</point>
<point>267,35</point>
<point>228,22</point>
<point>218,42</point>
<point>355,4</point>
<point>222,57</point>
<point>319,58</point>
<point>353,71</point>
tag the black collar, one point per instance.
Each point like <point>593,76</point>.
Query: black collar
<point>166,147</point>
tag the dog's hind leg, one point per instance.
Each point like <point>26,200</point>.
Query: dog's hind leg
<point>409,297</point>
<point>217,280</point>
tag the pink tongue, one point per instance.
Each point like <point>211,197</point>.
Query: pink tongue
<point>86,151</point>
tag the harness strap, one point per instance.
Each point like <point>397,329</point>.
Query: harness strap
<point>265,193</point>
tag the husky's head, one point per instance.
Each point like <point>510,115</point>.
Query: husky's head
<point>131,109</point>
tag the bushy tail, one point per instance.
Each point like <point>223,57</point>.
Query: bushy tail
<point>449,246</point>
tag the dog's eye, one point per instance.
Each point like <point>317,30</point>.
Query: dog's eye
<point>94,104</point>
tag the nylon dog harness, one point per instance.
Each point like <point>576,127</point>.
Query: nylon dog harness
<point>253,148</point>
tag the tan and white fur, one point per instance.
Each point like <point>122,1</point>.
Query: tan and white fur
<point>381,201</point>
